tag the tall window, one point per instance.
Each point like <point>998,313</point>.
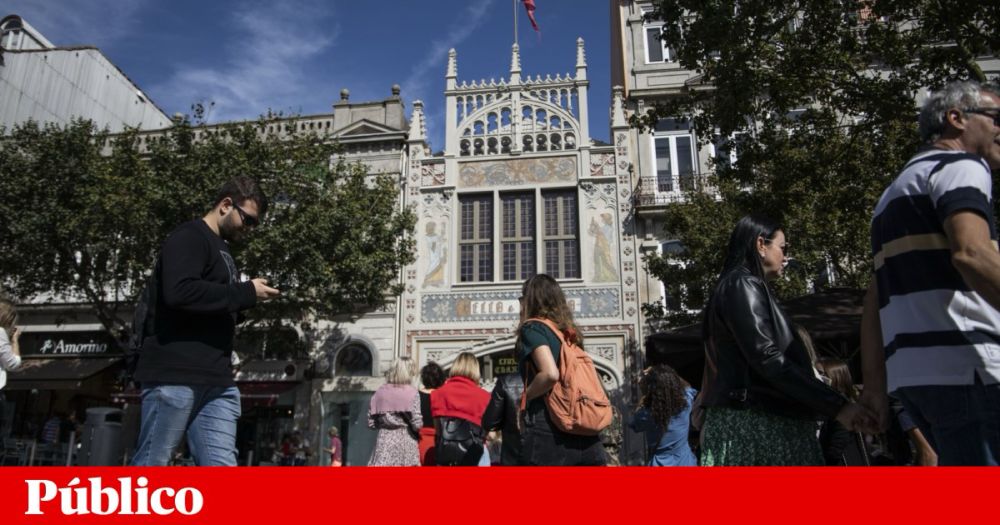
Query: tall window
<point>673,151</point>
<point>656,49</point>
<point>562,247</point>
<point>517,240</point>
<point>476,241</point>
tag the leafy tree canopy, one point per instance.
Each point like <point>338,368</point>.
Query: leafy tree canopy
<point>819,99</point>
<point>84,214</point>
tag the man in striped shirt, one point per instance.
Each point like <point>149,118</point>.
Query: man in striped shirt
<point>931,326</point>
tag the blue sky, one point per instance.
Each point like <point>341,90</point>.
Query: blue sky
<point>296,55</point>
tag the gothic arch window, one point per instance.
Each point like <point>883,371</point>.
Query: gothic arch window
<point>353,360</point>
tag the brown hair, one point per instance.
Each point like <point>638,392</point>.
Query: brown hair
<point>840,376</point>
<point>542,297</point>
<point>8,315</point>
<point>241,189</point>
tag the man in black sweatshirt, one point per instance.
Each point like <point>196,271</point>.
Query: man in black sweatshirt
<point>185,368</point>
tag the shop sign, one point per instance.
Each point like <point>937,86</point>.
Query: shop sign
<point>67,343</point>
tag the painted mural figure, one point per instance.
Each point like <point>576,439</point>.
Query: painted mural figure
<point>437,252</point>
<point>603,234</point>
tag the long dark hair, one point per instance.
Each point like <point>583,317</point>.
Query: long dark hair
<point>663,394</point>
<point>542,297</point>
<point>742,249</point>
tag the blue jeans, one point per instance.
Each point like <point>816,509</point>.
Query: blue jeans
<point>206,413</point>
<point>961,422</point>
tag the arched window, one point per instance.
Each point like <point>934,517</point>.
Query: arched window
<point>353,360</point>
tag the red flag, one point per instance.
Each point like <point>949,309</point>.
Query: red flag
<point>529,5</point>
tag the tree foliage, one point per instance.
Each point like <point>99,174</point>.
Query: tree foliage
<point>819,97</point>
<point>84,214</point>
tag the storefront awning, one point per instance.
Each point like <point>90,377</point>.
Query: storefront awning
<point>267,394</point>
<point>57,373</point>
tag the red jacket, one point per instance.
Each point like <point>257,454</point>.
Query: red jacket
<point>460,397</point>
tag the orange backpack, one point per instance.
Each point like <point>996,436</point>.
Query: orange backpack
<point>577,403</point>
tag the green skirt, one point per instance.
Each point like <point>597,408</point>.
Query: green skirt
<point>748,437</point>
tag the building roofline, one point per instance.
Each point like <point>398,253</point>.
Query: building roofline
<point>106,59</point>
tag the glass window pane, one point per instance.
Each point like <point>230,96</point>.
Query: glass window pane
<point>654,44</point>
<point>685,160</point>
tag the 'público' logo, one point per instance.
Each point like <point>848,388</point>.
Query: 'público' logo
<point>125,499</point>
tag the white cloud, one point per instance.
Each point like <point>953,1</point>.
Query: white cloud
<point>268,52</point>
<point>73,23</point>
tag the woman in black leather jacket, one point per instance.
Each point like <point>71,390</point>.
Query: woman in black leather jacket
<point>761,397</point>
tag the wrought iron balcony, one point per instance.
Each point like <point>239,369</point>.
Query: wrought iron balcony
<point>655,191</point>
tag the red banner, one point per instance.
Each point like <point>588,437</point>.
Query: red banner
<point>43,495</point>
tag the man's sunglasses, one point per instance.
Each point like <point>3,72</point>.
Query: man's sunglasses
<point>248,220</point>
<point>993,113</point>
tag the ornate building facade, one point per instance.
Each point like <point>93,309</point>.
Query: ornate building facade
<point>520,189</point>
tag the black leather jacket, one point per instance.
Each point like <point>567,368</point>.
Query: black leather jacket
<point>752,358</point>
<point>501,414</point>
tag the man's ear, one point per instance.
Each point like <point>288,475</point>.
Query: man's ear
<point>955,118</point>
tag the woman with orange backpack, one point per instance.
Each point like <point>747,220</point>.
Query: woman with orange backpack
<point>558,430</point>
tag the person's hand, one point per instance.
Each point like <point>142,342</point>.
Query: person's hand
<point>16,335</point>
<point>878,404</point>
<point>856,417</point>
<point>263,291</point>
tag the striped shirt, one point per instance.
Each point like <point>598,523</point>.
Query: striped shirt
<point>935,328</point>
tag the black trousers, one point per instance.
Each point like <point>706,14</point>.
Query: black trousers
<point>545,445</point>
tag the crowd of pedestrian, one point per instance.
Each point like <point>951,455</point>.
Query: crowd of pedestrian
<point>930,345</point>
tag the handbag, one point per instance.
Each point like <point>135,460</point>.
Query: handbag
<point>458,442</point>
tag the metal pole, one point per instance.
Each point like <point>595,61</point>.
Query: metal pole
<point>514,4</point>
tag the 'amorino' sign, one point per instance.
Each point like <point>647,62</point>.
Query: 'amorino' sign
<point>67,344</point>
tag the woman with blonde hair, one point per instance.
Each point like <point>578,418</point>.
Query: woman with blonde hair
<point>10,351</point>
<point>537,350</point>
<point>394,411</point>
<point>457,407</point>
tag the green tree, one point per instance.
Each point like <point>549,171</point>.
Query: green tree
<point>84,214</point>
<point>819,99</point>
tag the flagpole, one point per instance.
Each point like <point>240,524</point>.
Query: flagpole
<point>514,4</point>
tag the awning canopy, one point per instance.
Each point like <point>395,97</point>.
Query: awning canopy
<point>57,373</point>
<point>267,394</point>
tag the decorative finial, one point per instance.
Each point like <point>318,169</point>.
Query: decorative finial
<point>344,94</point>
<point>395,90</point>
<point>581,60</point>
<point>452,63</point>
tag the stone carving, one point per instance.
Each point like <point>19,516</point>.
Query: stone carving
<point>432,175</point>
<point>630,311</point>
<point>598,196</point>
<point>608,381</point>
<point>606,352</point>
<point>602,165</point>
<point>515,172</point>
<point>620,144</point>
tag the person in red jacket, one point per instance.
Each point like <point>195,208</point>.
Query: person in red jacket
<point>457,408</point>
